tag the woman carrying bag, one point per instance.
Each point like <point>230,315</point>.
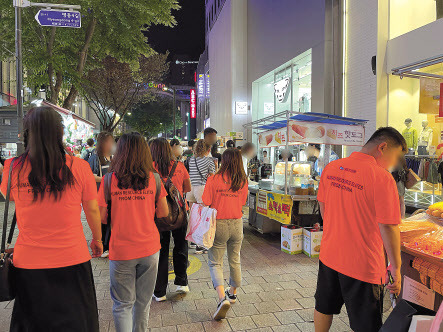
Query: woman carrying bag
<point>201,166</point>
<point>135,195</point>
<point>53,275</point>
<point>227,192</point>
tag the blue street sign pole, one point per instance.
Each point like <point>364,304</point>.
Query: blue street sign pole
<point>49,17</point>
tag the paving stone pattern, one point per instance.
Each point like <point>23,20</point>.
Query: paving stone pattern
<point>277,294</point>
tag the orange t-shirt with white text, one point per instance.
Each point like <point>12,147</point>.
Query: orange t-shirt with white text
<point>219,196</point>
<point>134,233</point>
<point>50,231</point>
<point>358,196</point>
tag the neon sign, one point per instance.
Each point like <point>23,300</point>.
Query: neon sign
<point>193,104</point>
<point>159,86</point>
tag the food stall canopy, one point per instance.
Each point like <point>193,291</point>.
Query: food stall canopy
<point>314,117</point>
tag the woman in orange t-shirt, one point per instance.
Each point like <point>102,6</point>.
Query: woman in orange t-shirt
<point>55,287</point>
<point>135,241</point>
<point>226,192</point>
<point>164,159</point>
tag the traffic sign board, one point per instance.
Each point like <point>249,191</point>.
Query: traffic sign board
<point>59,18</point>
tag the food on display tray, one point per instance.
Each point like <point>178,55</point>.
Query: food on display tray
<point>430,243</point>
<point>410,230</point>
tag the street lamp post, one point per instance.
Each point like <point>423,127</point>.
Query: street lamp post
<point>19,69</point>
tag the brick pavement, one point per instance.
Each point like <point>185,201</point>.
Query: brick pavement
<point>277,294</point>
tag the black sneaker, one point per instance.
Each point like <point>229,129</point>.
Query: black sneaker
<point>232,298</point>
<point>222,309</point>
<point>200,250</point>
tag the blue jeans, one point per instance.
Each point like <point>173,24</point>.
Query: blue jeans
<point>132,286</point>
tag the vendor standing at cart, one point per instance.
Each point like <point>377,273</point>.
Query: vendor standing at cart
<point>313,155</point>
<point>360,208</point>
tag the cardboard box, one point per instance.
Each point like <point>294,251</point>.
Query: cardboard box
<point>311,241</point>
<point>291,239</point>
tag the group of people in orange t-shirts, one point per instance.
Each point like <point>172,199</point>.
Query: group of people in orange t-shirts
<point>53,273</point>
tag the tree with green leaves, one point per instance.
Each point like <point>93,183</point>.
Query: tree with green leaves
<point>115,87</point>
<point>60,58</point>
<point>153,117</point>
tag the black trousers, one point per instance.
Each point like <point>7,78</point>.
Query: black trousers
<point>179,259</point>
<point>55,300</point>
<point>104,230</point>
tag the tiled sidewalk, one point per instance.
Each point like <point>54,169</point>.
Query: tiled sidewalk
<point>277,294</point>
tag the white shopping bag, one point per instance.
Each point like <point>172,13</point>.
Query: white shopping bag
<point>201,226</point>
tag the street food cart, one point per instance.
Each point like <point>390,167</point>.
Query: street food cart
<point>289,196</point>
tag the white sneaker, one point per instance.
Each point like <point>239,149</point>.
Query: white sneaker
<point>182,289</point>
<point>222,310</point>
<point>159,299</point>
<point>105,254</point>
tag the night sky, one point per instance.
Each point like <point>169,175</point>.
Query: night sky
<point>187,37</point>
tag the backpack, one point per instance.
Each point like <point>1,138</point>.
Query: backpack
<point>107,190</point>
<point>88,154</point>
<point>178,216</point>
<point>186,163</point>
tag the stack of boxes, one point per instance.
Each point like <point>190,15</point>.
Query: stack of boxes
<point>295,240</point>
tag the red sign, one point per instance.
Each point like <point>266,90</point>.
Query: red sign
<point>193,104</point>
<point>440,110</point>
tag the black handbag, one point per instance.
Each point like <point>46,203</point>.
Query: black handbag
<point>7,287</point>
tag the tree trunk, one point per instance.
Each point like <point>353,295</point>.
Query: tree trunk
<point>81,63</point>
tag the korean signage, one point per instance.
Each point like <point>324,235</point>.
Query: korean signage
<point>193,103</point>
<point>59,18</point>
<point>201,86</point>
<point>275,206</point>
<point>326,133</point>
<point>271,138</point>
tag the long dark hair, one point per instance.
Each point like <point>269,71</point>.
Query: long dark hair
<point>161,155</point>
<point>232,168</point>
<point>132,163</point>
<point>102,137</point>
<point>43,137</point>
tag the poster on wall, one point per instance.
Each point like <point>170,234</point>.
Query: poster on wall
<point>275,206</point>
<point>429,96</point>
<point>272,138</point>
<point>326,133</point>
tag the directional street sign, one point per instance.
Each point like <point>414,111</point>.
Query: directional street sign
<point>59,18</point>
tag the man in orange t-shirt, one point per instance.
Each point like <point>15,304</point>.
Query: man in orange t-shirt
<point>360,209</point>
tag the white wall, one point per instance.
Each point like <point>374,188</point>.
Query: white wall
<point>280,30</point>
<point>361,45</point>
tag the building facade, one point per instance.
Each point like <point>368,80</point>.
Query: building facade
<point>262,57</point>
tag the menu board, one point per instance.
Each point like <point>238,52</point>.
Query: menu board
<point>326,133</point>
<point>272,138</point>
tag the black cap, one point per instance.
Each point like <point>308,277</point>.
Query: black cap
<point>408,120</point>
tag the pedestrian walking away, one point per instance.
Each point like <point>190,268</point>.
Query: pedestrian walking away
<point>201,166</point>
<point>359,195</point>
<point>164,161</point>
<point>227,192</point>
<point>100,161</point>
<point>55,287</point>
<point>135,196</point>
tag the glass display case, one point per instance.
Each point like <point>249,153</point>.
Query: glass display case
<point>299,177</point>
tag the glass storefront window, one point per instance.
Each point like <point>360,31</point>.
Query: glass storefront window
<point>414,111</point>
<point>287,87</point>
<point>408,15</point>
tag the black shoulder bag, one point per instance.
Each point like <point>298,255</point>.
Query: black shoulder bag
<point>7,286</point>
<point>198,169</point>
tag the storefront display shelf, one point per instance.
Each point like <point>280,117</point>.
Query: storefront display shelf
<point>432,259</point>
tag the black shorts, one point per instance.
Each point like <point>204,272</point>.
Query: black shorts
<point>363,301</point>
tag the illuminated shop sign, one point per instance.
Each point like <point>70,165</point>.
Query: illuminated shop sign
<point>241,107</point>
<point>201,86</point>
<point>160,86</point>
<point>207,86</point>
<point>193,104</point>
<point>268,108</point>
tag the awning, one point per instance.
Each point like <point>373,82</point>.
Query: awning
<point>314,117</point>
<point>65,111</point>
